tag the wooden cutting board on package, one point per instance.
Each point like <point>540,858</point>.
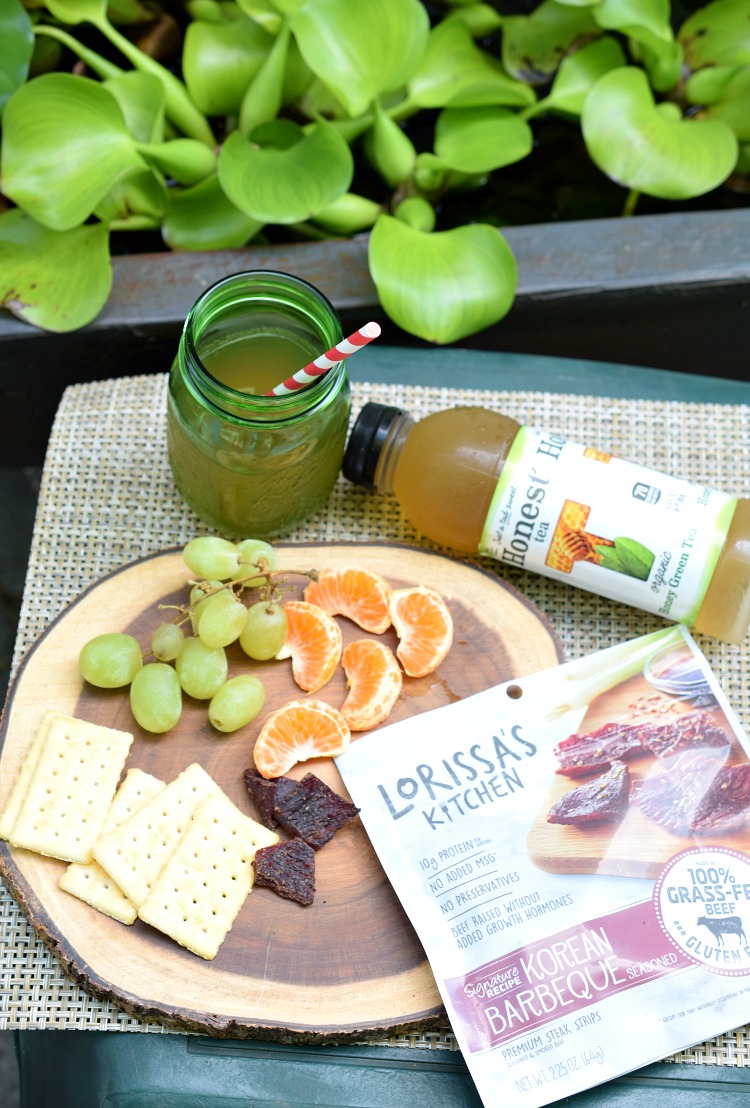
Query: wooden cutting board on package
<point>348,964</point>
<point>637,846</point>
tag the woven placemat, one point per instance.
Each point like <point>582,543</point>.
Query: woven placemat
<point>107,498</point>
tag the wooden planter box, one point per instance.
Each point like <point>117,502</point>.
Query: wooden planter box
<point>666,291</point>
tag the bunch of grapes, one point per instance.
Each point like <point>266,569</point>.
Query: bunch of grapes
<point>196,664</point>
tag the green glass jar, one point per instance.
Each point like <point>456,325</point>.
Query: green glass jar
<point>248,464</point>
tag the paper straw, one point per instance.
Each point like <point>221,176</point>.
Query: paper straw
<point>326,361</point>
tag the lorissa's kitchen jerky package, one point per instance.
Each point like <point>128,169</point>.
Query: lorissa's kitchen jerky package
<point>573,850</point>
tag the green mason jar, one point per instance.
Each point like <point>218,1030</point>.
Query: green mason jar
<point>249,464</point>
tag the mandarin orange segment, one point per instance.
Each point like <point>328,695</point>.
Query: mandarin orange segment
<point>358,593</point>
<point>313,642</point>
<point>374,679</point>
<point>300,730</point>
<point>424,627</point>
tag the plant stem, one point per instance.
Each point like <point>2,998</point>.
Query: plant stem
<point>103,68</point>
<point>631,202</point>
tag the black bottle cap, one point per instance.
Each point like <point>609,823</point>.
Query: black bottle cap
<point>366,440</point>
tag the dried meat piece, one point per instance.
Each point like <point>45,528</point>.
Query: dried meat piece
<point>695,730</point>
<point>674,797</point>
<point>313,811</point>
<point>603,800</point>
<point>263,793</point>
<point>581,754</point>
<point>726,805</point>
<point>288,868</point>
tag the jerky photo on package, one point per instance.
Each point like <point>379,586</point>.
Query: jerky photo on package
<point>573,851</point>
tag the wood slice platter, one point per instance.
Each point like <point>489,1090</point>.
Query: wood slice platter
<point>637,846</point>
<point>351,962</point>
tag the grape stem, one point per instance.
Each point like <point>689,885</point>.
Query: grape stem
<point>274,583</point>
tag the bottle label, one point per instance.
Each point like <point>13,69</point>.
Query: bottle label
<point>606,525</point>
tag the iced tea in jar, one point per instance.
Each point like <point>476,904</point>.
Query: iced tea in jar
<point>246,462</point>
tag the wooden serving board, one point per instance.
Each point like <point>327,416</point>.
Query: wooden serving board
<point>350,962</point>
<point>636,847</point>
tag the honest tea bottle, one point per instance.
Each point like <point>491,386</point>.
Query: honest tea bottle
<point>477,481</point>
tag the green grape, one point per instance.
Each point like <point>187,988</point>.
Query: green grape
<point>110,661</point>
<point>167,641</point>
<point>221,620</point>
<point>255,555</point>
<point>265,630</point>
<point>201,670</point>
<point>196,593</point>
<point>237,702</point>
<point>156,698</point>
<point>210,556</point>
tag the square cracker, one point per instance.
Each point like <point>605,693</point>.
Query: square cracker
<point>198,894</point>
<point>136,851</point>
<point>91,883</point>
<point>25,774</point>
<point>70,788</point>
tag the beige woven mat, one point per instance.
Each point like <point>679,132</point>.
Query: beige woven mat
<point>107,497</point>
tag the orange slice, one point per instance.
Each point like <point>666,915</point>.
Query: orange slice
<point>355,592</point>
<point>424,627</point>
<point>313,641</point>
<point>374,679</point>
<point>301,730</point>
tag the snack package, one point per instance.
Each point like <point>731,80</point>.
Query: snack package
<point>573,850</point>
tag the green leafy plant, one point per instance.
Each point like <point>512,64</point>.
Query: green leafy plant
<point>279,120</point>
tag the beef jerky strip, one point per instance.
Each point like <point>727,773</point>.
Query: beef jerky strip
<point>313,811</point>
<point>263,793</point>
<point>288,868</point>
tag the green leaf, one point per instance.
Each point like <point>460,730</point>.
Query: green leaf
<point>265,93</point>
<point>286,186</point>
<point>141,193</point>
<point>534,45</point>
<point>348,214</point>
<point>636,558</point>
<point>609,559</point>
<point>65,144</point>
<point>141,99</point>
<point>477,140</point>
<point>56,280</point>
<point>263,12</point>
<point>17,37</point>
<point>633,17</point>
<point>417,213</point>
<point>631,141</point>
<point>184,159</point>
<point>389,149</point>
<point>124,12</point>
<point>361,54</point>
<point>480,19</point>
<point>203,218</point>
<point>578,72</point>
<point>717,34</point>
<point>709,85</point>
<point>733,106</point>
<point>661,59</point>
<point>445,285</point>
<point>220,60</point>
<point>455,72</point>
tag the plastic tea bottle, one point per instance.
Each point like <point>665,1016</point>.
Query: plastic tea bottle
<point>248,463</point>
<point>477,481</point>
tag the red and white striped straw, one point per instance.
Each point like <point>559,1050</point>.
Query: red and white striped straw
<point>326,361</point>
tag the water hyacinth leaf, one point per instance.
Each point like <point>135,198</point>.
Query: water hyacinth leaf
<point>579,71</point>
<point>298,76</point>
<point>265,93</point>
<point>17,37</point>
<point>634,17</point>
<point>445,285</point>
<point>710,84</point>
<point>208,11</point>
<point>263,12</point>
<point>286,186</point>
<point>361,56</point>
<point>477,140</point>
<point>429,173</point>
<point>56,280</point>
<point>717,34</point>
<point>141,193</point>
<point>179,107</point>
<point>661,60</point>
<point>348,214</point>
<point>733,107</point>
<point>417,212</point>
<point>389,149</point>
<point>480,19</point>
<point>638,146</point>
<point>103,67</point>
<point>204,218</point>
<point>141,99</point>
<point>455,72</point>
<point>220,60</point>
<point>65,144</point>
<point>123,12</point>
<point>533,45</point>
<point>184,159</point>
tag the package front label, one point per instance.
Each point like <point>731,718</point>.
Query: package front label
<point>606,525</point>
<point>573,850</point>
